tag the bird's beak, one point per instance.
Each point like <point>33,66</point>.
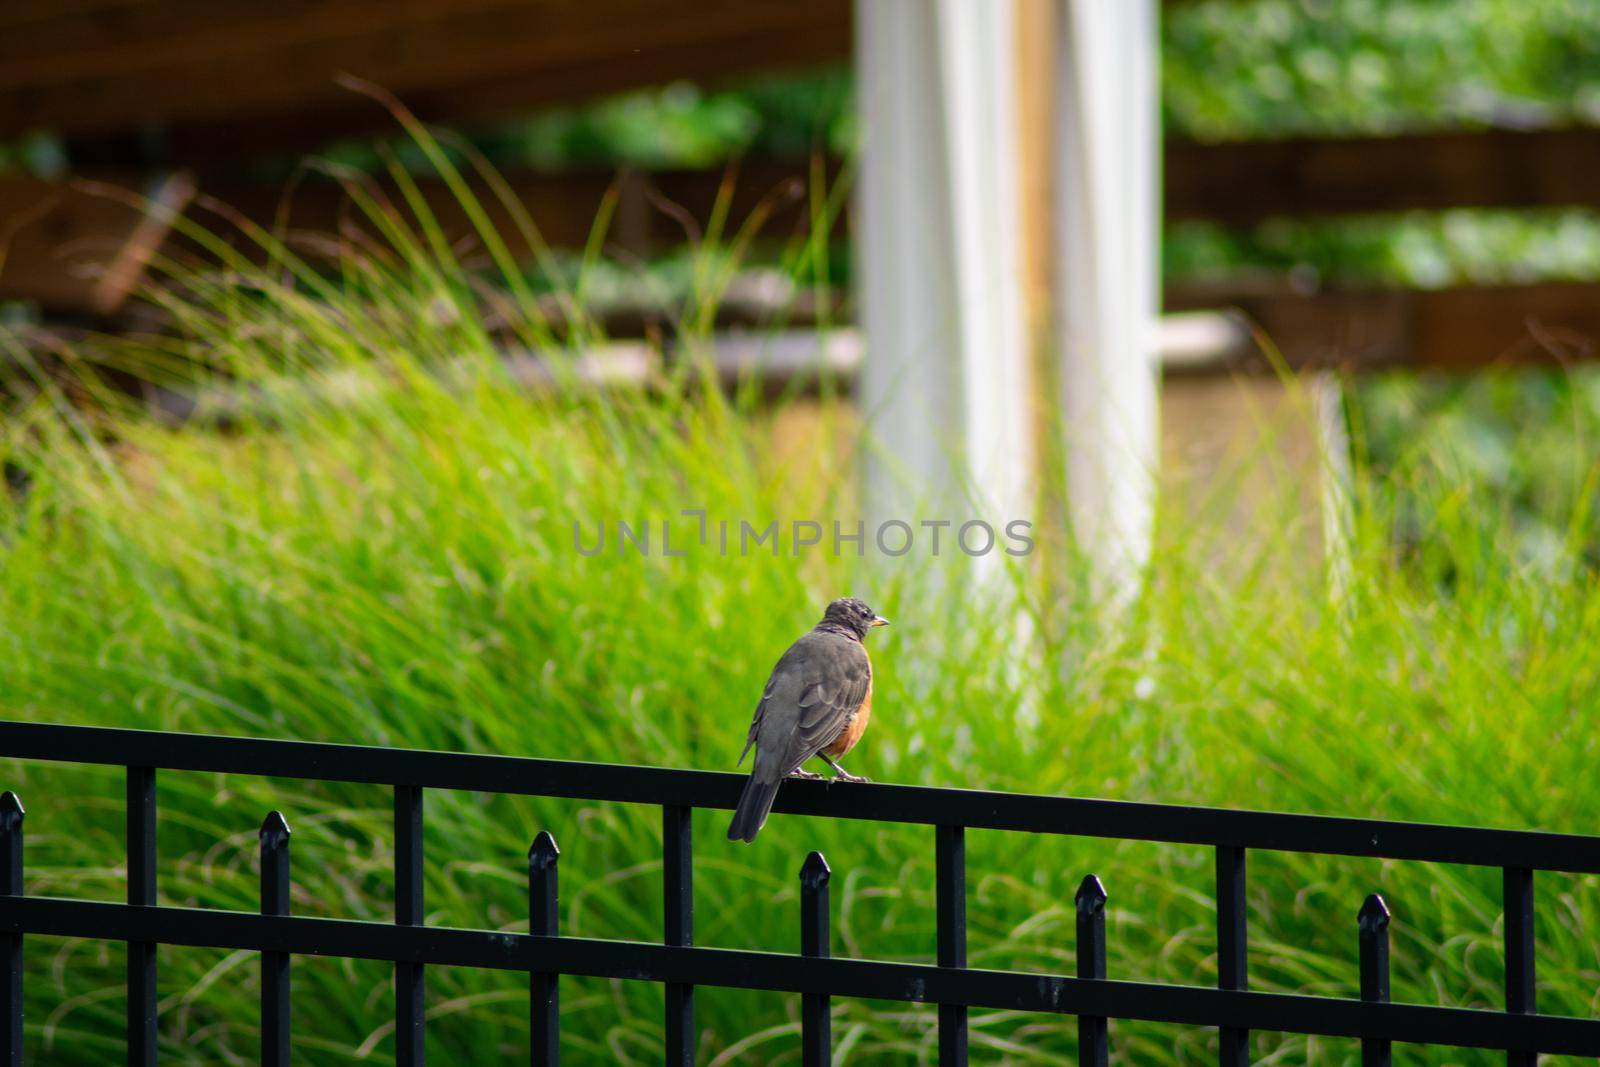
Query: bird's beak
<point>879,620</point>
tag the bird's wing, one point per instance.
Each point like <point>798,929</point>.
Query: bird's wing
<point>815,688</point>
<point>755,722</point>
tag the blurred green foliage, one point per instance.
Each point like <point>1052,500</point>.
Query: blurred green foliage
<point>684,125</point>
<point>1423,249</point>
<point>1252,68</point>
<point>37,154</point>
<point>1231,69</point>
<point>1242,69</point>
<point>1527,438</point>
<point>675,125</point>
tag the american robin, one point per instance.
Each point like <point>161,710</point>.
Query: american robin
<point>816,703</point>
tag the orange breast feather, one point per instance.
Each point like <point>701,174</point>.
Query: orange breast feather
<point>853,729</point>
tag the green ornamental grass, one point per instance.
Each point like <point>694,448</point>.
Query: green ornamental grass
<point>365,534</point>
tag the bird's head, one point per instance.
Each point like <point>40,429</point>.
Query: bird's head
<point>852,615</point>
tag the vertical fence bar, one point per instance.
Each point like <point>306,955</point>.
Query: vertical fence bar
<point>544,987</point>
<point>1232,946</point>
<point>677,843</point>
<point>950,863</point>
<point>141,813</point>
<point>410,991</point>
<point>274,837</point>
<point>1373,923</point>
<point>11,815</point>
<point>1094,1046</point>
<point>1521,996</point>
<point>816,1023</point>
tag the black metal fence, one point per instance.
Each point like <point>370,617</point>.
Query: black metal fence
<point>545,955</point>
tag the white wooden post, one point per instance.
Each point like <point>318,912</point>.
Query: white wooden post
<point>944,385</point>
<point>1107,214</point>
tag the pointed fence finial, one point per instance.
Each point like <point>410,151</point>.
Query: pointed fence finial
<point>1373,922</point>
<point>274,831</point>
<point>1091,896</point>
<point>544,903</point>
<point>816,1029</point>
<point>1374,914</point>
<point>815,872</point>
<point>1094,1042</point>
<point>11,1002</point>
<point>543,852</point>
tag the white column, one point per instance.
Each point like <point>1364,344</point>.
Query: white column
<point>944,385</point>
<point>1107,214</point>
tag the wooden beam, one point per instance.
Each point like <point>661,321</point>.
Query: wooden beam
<point>1464,329</point>
<point>77,251</point>
<point>73,249</point>
<point>60,241</point>
<point>202,73</point>
<point>654,209</point>
<point>1452,330</point>
<point>1245,182</point>
<point>217,79</point>
<point>194,68</point>
<point>1235,184</point>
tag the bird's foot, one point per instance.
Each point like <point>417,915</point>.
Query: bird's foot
<point>842,775</point>
<point>808,776</point>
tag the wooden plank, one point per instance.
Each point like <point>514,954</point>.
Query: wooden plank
<point>653,210</point>
<point>125,271</point>
<point>1246,182</point>
<point>221,77</point>
<point>67,236</point>
<point>1463,329</point>
<point>1452,330</point>
<point>77,249</point>
<point>57,49</point>
<point>31,12</point>
<point>1236,184</point>
<point>64,45</point>
<point>447,59</point>
<point>77,252</point>
<point>1233,184</point>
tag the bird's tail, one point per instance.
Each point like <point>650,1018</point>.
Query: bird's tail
<point>754,804</point>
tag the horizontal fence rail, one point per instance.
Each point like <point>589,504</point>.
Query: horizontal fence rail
<point>1072,816</point>
<point>778,972</point>
<point>544,955</point>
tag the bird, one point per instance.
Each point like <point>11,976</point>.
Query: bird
<point>816,703</point>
